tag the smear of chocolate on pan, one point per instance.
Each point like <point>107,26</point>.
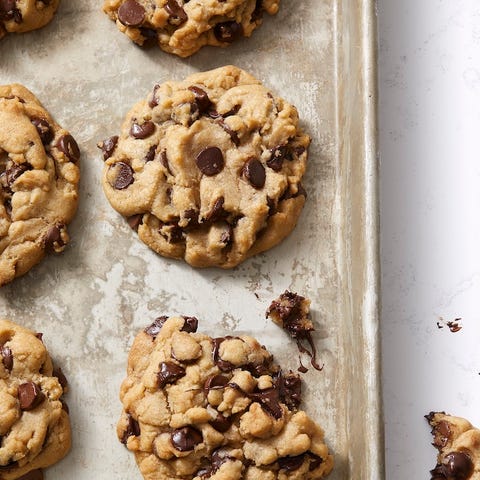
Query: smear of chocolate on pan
<point>453,325</point>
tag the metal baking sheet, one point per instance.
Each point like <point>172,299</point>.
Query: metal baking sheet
<point>90,301</point>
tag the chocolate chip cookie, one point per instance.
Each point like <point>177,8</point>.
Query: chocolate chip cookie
<point>184,26</point>
<point>34,423</point>
<point>458,444</point>
<point>196,407</point>
<point>38,182</point>
<point>209,169</point>
<point>18,16</point>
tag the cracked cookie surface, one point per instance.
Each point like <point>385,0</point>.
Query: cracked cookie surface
<point>38,182</point>
<point>458,444</point>
<point>209,169</point>
<point>34,423</point>
<point>184,26</point>
<point>18,16</point>
<point>196,407</point>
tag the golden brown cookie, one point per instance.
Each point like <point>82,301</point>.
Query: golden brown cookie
<point>196,407</point>
<point>18,16</point>
<point>34,423</point>
<point>209,169</point>
<point>458,444</point>
<point>184,26</point>
<point>38,182</point>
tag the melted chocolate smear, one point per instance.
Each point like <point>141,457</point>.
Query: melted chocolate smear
<point>312,353</point>
<point>302,368</point>
<point>7,357</point>
<point>186,439</point>
<point>108,146</point>
<point>169,373</point>
<point>133,428</point>
<point>223,365</point>
<point>215,382</point>
<point>154,329</point>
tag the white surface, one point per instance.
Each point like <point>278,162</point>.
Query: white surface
<point>430,194</point>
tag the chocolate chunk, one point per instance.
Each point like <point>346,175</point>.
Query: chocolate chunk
<point>190,325</point>
<point>290,389</point>
<point>278,155</point>
<point>150,154</point>
<point>15,171</point>
<point>219,457</point>
<point>131,13</point>
<point>254,172</point>
<point>272,207</point>
<point>171,231</point>
<point>458,466</point>
<point>221,423</point>
<point>442,433</point>
<point>210,161</point>
<point>69,147</point>
<point>7,357</point>
<point>223,365</point>
<point>290,464</point>
<point>30,396</point>
<point>124,175</point>
<point>269,400</point>
<point>53,239</point>
<point>154,329</point>
<point>62,379</point>
<point>192,216</point>
<point>186,439</point>
<point>169,373</point>
<point>133,429</point>
<point>201,99</point>
<point>217,212</point>
<point>228,31</point>
<point>164,161</point>
<point>153,101</point>
<point>315,461</point>
<point>32,475</point>
<point>215,382</point>
<point>8,11</point>
<point>227,236</point>
<point>142,131</point>
<point>108,146</point>
<point>134,221</point>
<point>176,12</point>
<point>44,130</point>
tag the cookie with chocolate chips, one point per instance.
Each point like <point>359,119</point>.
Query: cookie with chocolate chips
<point>458,445</point>
<point>38,182</point>
<point>209,169</point>
<point>196,407</point>
<point>34,422</point>
<point>18,16</point>
<point>184,26</point>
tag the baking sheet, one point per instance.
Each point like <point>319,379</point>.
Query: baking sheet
<point>90,301</point>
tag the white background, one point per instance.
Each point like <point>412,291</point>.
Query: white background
<point>429,72</point>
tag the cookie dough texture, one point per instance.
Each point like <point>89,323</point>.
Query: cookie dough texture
<point>209,169</point>
<point>184,26</point>
<point>18,16</point>
<point>38,182</point>
<point>458,444</point>
<point>197,407</point>
<point>34,423</point>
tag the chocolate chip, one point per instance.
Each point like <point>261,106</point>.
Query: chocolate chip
<point>186,439</point>
<point>133,429</point>
<point>232,133</point>
<point>32,475</point>
<point>290,464</point>
<point>15,171</point>
<point>289,193</point>
<point>124,176</point>
<point>215,382</point>
<point>69,147</point>
<point>190,325</point>
<point>277,156</point>
<point>210,161</point>
<point>315,461</point>
<point>44,130</point>
<point>458,465</point>
<point>108,146</point>
<point>192,216</point>
<point>254,172</point>
<point>201,98</point>
<point>131,13</point>
<point>221,423</point>
<point>134,221</point>
<point>30,396</point>
<point>153,101</point>
<point>142,131</point>
<point>171,231</point>
<point>176,12</point>
<point>169,373</point>
<point>272,207</point>
<point>7,357</point>
<point>217,212</point>
<point>62,379</point>
<point>150,154</point>
<point>228,31</point>
<point>227,236</point>
<point>53,239</point>
<point>154,329</point>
